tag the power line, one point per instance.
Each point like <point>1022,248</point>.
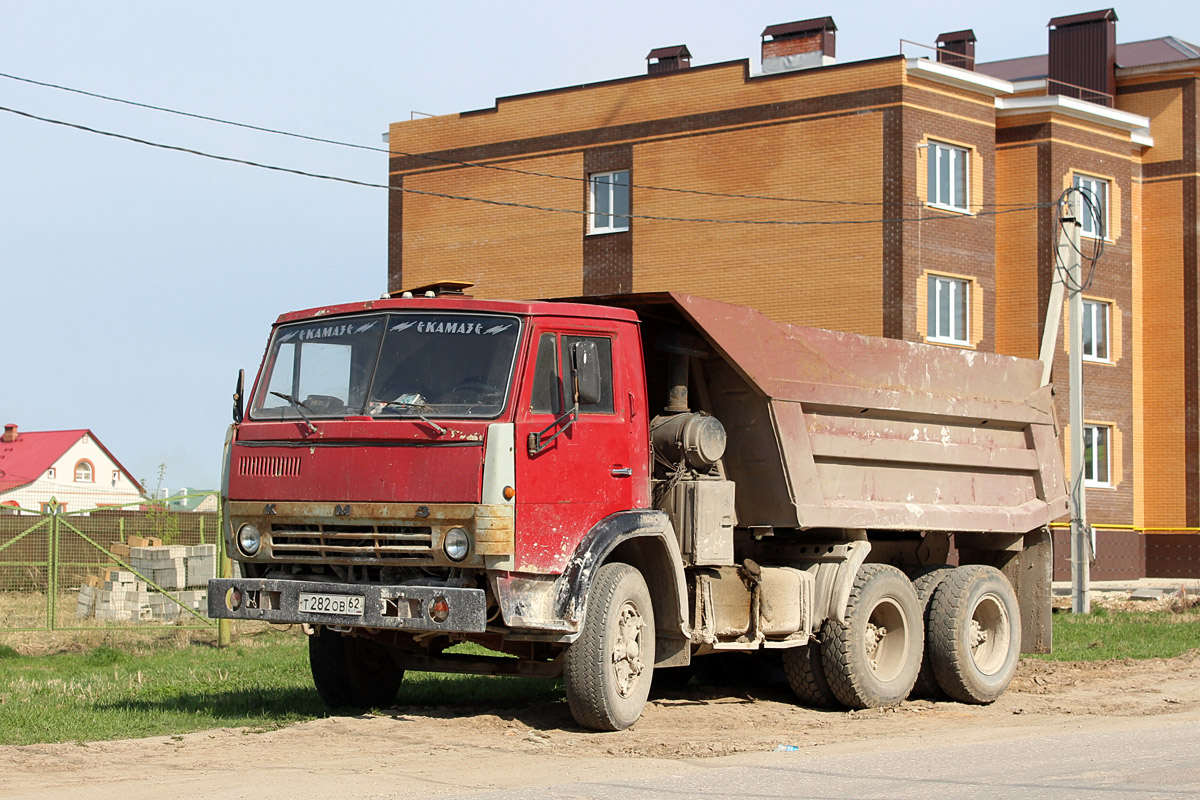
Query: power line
<point>456,162</point>
<point>487,201</point>
<point>1092,209</point>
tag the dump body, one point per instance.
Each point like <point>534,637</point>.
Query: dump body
<point>837,430</point>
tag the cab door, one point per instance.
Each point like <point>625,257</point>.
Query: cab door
<point>592,467</point>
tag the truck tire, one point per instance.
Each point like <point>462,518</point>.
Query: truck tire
<point>352,672</point>
<point>925,581</point>
<point>872,659</point>
<point>806,675</point>
<point>975,634</point>
<point>609,668</point>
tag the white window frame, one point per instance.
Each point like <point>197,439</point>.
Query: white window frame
<point>1096,315</point>
<point>1091,436</point>
<point>1093,225</point>
<point>959,290</point>
<point>87,469</point>
<point>959,158</point>
<point>604,195</point>
<point>50,474</point>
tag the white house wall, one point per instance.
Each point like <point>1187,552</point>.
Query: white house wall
<point>103,490</point>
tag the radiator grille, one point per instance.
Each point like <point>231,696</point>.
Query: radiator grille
<point>269,466</point>
<point>351,542</point>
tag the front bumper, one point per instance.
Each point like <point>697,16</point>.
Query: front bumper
<point>403,607</point>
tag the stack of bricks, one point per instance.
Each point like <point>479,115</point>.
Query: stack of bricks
<point>200,564</point>
<point>123,596</point>
<point>119,597</point>
<point>164,566</point>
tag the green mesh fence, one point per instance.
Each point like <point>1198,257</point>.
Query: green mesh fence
<point>142,565</point>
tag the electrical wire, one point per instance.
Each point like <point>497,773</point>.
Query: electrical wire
<point>460,163</point>
<point>1092,208</point>
<point>487,201</point>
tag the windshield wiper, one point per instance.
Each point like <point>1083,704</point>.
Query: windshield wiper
<point>296,404</point>
<point>416,403</point>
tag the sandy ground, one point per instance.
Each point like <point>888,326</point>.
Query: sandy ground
<point>431,752</point>
<point>427,752</point>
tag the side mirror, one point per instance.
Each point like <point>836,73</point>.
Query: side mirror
<point>585,371</point>
<point>238,391</point>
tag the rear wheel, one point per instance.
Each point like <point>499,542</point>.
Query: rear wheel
<point>352,672</point>
<point>975,634</point>
<point>872,659</point>
<point>609,668</point>
<point>925,582</point>
<point>806,675</point>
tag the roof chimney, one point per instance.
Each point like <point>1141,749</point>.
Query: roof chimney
<point>798,45</point>
<point>1083,56</point>
<point>10,433</point>
<point>668,59</point>
<point>957,49</point>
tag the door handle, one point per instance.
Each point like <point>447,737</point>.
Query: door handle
<point>622,472</point>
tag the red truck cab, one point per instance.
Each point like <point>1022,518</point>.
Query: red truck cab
<point>415,472</point>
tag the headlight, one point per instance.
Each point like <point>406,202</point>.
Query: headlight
<point>456,544</point>
<point>248,539</point>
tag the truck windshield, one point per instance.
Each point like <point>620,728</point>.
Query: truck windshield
<point>389,365</point>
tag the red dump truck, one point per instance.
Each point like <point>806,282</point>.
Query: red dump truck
<point>607,489</point>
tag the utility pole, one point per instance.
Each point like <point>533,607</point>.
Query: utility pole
<point>1080,550</point>
<point>1067,269</point>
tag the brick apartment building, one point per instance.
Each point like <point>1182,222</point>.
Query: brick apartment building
<point>907,197</point>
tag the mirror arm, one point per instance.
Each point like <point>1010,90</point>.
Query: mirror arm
<point>537,444</point>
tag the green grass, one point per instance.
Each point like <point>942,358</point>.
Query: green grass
<point>261,683</point>
<point>135,689</point>
<point>1105,634</point>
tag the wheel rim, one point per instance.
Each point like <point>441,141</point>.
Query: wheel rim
<point>627,662</point>
<point>988,634</point>
<point>885,640</point>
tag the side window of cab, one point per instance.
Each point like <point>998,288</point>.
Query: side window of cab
<point>604,349</point>
<point>552,391</point>
<point>547,386</point>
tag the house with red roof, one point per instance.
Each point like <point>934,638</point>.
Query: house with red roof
<point>72,468</point>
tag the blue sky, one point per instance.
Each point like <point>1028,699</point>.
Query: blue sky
<point>135,282</point>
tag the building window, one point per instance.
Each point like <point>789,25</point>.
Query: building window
<point>50,473</point>
<point>1095,330</point>
<point>949,301</point>
<point>948,178</point>
<point>609,199</point>
<point>116,476</point>
<point>1093,207</point>
<point>1096,456</point>
<point>83,472</point>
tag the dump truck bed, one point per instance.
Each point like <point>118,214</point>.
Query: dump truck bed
<point>837,430</point>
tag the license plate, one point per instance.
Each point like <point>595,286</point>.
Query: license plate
<point>350,605</point>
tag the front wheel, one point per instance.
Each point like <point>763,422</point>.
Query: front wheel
<point>872,659</point>
<point>974,634</point>
<point>352,672</point>
<point>609,668</point>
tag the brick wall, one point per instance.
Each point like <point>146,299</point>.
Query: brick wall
<point>854,134</point>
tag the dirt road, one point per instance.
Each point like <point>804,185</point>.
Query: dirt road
<point>431,752</point>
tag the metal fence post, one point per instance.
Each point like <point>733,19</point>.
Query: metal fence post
<point>52,568</point>
<point>224,626</point>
